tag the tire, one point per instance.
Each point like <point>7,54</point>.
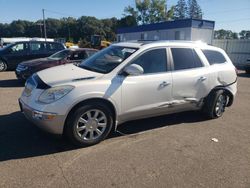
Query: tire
<point>3,66</point>
<point>215,104</point>
<point>84,129</point>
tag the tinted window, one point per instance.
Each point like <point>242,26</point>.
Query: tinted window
<point>60,55</point>
<point>153,61</point>
<point>54,46</point>
<point>37,46</point>
<point>185,58</point>
<point>78,55</point>
<point>19,48</point>
<point>214,57</point>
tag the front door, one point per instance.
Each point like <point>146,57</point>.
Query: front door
<point>17,54</point>
<point>148,94</point>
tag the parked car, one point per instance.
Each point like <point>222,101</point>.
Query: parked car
<point>15,53</point>
<point>129,81</point>
<point>245,66</point>
<point>27,68</point>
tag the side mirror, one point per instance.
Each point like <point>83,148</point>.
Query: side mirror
<point>134,70</point>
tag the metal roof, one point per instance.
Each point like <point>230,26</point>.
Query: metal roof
<point>193,23</point>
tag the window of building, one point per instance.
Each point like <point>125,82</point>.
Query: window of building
<point>119,38</point>
<point>214,57</point>
<point>144,36</point>
<point>179,35</point>
<point>185,58</point>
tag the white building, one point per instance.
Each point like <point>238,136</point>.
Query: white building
<point>187,29</point>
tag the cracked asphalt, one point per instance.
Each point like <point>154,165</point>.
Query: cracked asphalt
<point>169,151</point>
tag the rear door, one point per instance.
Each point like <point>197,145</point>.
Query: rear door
<point>190,77</point>
<point>37,50</point>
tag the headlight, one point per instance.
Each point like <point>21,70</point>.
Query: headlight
<point>55,93</point>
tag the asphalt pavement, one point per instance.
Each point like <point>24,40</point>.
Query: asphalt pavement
<point>168,151</point>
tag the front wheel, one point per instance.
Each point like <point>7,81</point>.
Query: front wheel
<point>3,66</point>
<point>89,124</point>
<point>215,104</point>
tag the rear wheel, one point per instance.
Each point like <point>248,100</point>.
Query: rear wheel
<point>89,124</point>
<point>3,66</point>
<point>215,104</point>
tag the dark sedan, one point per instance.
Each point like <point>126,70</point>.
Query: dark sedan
<point>27,68</point>
<point>17,52</point>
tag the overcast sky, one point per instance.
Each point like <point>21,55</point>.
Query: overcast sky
<point>228,14</point>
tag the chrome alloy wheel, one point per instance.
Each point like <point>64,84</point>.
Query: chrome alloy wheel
<point>91,125</point>
<point>220,105</point>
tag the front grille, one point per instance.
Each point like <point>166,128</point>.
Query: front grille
<point>21,67</point>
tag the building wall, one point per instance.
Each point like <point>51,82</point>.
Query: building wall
<point>237,50</point>
<point>169,34</point>
<point>205,35</point>
<point>194,34</point>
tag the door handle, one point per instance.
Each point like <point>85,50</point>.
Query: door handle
<point>164,84</point>
<point>203,78</point>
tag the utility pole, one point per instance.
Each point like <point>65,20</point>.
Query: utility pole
<point>44,25</point>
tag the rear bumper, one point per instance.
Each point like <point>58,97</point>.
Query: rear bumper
<point>50,122</point>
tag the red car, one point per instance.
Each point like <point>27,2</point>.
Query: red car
<point>25,69</point>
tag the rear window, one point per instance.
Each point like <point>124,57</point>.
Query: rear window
<point>54,46</point>
<point>214,57</point>
<point>78,55</point>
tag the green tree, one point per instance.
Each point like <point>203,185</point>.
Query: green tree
<point>170,13</point>
<point>180,10</point>
<point>127,21</point>
<point>245,34</point>
<point>157,11</point>
<point>194,10</point>
<point>225,34</point>
<point>148,11</point>
<point>69,28</point>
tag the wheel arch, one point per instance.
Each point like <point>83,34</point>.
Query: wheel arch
<point>106,102</point>
<point>4,60</point>
<point>226,91</point>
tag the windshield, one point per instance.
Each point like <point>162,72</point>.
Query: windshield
<point>5,45</point>
<point>108,59</point>
<point>60,55</point>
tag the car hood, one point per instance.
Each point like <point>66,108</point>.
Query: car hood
<point>66,74</point>
<point>37,62</point>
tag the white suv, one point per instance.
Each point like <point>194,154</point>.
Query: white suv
<point>129,81</point>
